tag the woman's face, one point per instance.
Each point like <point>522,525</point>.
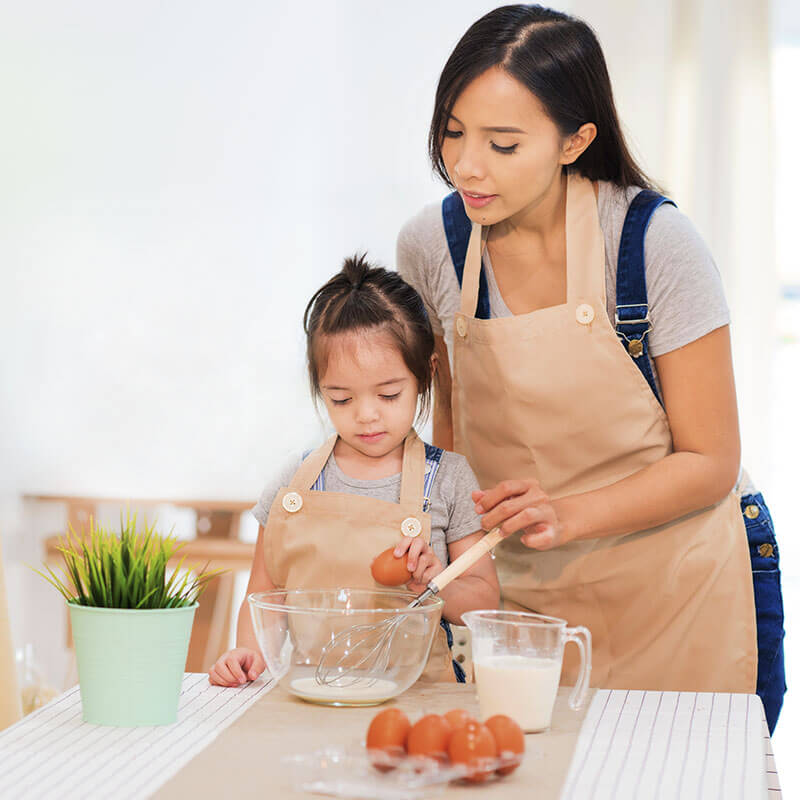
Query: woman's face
<point>501,150</point>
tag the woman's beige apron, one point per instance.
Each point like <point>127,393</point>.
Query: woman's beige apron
<point>327,540</point>
<point>552,395</point>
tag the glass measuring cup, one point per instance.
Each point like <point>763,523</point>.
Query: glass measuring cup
<point>517,658</point>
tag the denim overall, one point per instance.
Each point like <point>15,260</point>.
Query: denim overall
<point>632,325</point>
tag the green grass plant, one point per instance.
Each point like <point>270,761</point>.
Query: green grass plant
<point>125,570</point>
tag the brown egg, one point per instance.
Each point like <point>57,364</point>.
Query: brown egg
<point>510,741</point>
<point>429,737</point>
<point>474,746</point>
<point>386,737</point>
<point>458,718</point>
<point>390,571</point>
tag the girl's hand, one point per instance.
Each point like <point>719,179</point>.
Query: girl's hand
<point>521,505</point>
<point>236,667</point>
<point>422,562</point>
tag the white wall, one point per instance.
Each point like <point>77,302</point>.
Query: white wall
<point>177,178</point>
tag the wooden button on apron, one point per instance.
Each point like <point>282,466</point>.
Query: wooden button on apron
<point>461,326</point>
<point>751,512</point>
<point>766,551</point>
<point>292,502</point>
<point>584,313</point>
<point>411,526</point>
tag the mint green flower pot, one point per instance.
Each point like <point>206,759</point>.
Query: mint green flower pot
<point>130,663</point>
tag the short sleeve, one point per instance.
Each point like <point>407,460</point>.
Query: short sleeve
<point>460,484</point>
<point>261,509</point>
<point>684,286</point>
<point>413,266</point>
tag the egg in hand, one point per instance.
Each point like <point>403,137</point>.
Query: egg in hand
<point>390,571</point>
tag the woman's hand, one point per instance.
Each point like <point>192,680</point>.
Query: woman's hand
<point>521,505</point>
<point>236,667</point>
<point>422,562</point>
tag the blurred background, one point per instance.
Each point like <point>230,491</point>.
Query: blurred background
<point>177,179</point>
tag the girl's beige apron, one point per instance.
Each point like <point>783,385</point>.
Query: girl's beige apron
<point>552,395</point>
<point>327,540</point>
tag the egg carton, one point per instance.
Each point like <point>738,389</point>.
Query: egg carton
<point>350,771</point>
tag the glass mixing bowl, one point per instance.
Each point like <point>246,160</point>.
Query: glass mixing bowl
<point>344,647</point>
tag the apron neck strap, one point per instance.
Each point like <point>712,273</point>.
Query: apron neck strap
<point>412,482</point>
<point>585,249</point>
<point>470,281</point>
<point>310,469</point>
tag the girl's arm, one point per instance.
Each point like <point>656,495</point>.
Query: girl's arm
<point>259,582</point>
<point>477,587</point>
<point>442,411</point>
<point>245,662</point>
<point>700,402</point>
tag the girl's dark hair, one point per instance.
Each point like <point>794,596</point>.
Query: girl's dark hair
<point>360,299</point>
<point>560,60</point>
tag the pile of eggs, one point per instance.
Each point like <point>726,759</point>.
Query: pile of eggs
<point>483,748</point>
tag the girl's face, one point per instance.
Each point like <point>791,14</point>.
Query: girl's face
<point>501,150</point>
<point>369,392</point>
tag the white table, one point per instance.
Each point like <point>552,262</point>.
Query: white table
<point>626,744</point>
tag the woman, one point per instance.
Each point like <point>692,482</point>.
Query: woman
<point>588,380</point>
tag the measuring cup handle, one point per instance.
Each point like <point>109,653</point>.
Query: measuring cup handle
<point>583,638</point>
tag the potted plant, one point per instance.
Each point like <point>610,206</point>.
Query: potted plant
<point>131,622</point>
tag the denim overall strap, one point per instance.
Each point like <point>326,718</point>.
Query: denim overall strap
<point>764,559</point>
<point>457,228</point>
<point>433,459</point>
<point>319,483</point>
<point>632,319</point>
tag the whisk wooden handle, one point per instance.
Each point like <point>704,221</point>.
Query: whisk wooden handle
<point>467,559</point>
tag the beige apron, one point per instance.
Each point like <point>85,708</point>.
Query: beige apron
<point>552,395</point>
<point>327,540</point>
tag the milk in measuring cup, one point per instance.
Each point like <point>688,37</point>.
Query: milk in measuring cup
<point>523,687</point>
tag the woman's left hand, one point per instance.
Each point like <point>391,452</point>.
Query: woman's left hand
<point>521,505</point>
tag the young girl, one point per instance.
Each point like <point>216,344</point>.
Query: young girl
<point>371,360</point>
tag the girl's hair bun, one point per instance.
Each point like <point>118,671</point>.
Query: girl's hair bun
<point>356,269</point>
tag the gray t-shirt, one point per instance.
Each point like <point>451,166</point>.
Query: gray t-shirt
<point>450,503</point>
<point>684,288</point>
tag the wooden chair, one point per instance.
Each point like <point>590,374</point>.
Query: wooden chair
<point>216,542</point>
<point>10,704</point>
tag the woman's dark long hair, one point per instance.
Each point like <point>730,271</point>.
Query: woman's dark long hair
<point>560,60</point>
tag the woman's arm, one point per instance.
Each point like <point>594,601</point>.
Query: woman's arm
<point>442,411</point>
<point>700,402</point>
